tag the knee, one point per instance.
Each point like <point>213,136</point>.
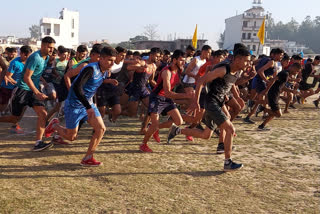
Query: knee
<point>117,111</point>
<point>73,137</point>
<point>42,114</point>
<point>178,122</point>
<point>230,129</point>
<point>207,135</point>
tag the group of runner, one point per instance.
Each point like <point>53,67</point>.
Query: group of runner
<point>205,90</point>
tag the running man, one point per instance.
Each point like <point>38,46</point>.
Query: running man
<point>28,92</point>
<point>220,80</point>
<point>79,105</point>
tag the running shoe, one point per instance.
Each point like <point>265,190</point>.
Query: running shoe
<point>232,166</point>
<point>49,129</point>
<point>172,133</point>
<point>91,162</point>
<point>263,128</point>
<point>248,120</point>
<point>39,146</point>
<point>259,110</point>
<point>59,140</point>
<point>16,129</point>
<point>145,148</point>
<point>220,148</point>
<point>156,136</point>
<point>200,127</point>
<point>189,138</point>
<point>217,132</point>
<point>316,103</point>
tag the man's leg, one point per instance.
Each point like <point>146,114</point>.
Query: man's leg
<point>116,111</point>
<point>99,130</point>
<point>41,122</point>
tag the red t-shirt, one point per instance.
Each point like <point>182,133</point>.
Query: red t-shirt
<point>174,80</point>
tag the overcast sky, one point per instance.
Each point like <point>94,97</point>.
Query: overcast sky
<point>119,20</point>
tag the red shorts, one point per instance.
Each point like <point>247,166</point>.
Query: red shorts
<point>5,95</point>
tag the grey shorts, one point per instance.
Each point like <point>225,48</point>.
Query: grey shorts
<point>214,116</point>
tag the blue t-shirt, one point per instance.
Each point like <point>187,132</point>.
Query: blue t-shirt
<point>35,63</point>
<point>89,88</point>
<point>16,68</point>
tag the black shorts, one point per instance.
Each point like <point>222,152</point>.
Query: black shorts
<point>202,100</point>
<point>273,101</point>
<point>305,86</point>
<point>107,98</point>
<point>22,98</point>
<point>214,115</point>
<point>5,95</point>
<point>160,105</point>
<point>62,91</point>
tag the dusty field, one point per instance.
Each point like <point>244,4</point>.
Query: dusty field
<point>281,172</point>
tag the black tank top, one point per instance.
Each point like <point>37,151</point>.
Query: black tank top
<point>140,79</point>
<point>220,87</point>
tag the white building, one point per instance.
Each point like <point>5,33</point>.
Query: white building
<point>243,28</point>
<point>64,30</point>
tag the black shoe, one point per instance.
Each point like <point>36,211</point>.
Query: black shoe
<point>299,99</point>
<point>232,166</point>
<point>220,148</point>
<point>173,131</point>
<point>292,106</point>
<point>316,103</point>
<point>263,128</point>
<point>41,146</point>
<point>248,120</point>
<point>217,132</point>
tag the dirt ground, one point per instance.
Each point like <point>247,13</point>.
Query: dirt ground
<point>281,171</point>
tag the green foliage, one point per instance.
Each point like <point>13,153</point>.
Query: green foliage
<point>35,31</point>
<point>307,32</point>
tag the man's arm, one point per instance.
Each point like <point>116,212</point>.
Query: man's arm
<point>166,76</point>
<point>3,69</point>
<point>83,78</point>
<point>71,73</point>
<point>138,67</point>
<point>260,72</point>
<point>190,67</point>
<point>27,79</point>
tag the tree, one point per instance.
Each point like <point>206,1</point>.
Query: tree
<point>138,38</point>
<point>220,42</point>
<point>35,32</point>
<point>150,31</point>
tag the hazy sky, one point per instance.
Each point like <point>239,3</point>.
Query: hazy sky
<point>119,20</point>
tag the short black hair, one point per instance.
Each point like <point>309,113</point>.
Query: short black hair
<point>55,51</point>
<point>96,48</point>
<point>108,51</point>
<point>239,45</point>
<point>155,50</point>
<point>317,57</point>
<point>48,40</point>
<point>166,52</point>
<point>241,52</point>
<point>121,49</point>
<point>285,57</point>
<point>129,53</point>
<point>61,49</point>
<point>309,60</point>
<point>82,48</point>
<point>217,53</point>
<point>191,48</point>
<point>276,51</point>
<point>206,48</point>
<point>297,57</point>
<point>26,49</point>
<point>296,65</point>
<point>11,50</point>
<point>177,53</point>
<point>136,53</point>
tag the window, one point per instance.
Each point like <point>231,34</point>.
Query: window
<point>72,23</point>
<point>249,35</point>
<point>72,34</point>
<point>245,23</point>
<point>243,35</point>
<point>249,47</point>
<point>254,34</point>
<point>48,31</point>
<point>255,24</point>
<point>254,47</point>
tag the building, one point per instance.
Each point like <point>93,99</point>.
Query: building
<point>168,45</point>
<point>65,29</point>
<point>243,28</point>
<point>290,47</point>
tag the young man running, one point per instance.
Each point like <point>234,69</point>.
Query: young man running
<point>14,72</point>
<point>219,81</point>
<point>28,93</point>
<point>274,93</point>
<point>79,104</point>
<point>161,98</point>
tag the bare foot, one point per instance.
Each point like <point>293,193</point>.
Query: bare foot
<point>286,112</point>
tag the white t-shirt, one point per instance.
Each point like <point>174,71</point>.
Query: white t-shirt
<point>116,68</point>
<point>195,70</point>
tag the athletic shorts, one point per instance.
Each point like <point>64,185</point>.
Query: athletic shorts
<point>5,95</point>
<point>22,98</point>
<point>136,94</point>
<point>214,115</point>
<point>259,85</point>
<point>107,98</point>
<point>305,86</point>
<point>50,89</point>
<point>160,105</point>
<point>273,102</point>
<point>289,85</point>
<point>74,115</point>
<point>188,85</point>
<point>62,91</point>
<point>202,100</point>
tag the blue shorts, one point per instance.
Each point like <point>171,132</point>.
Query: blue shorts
<point>137,94</point>
<point>259,85</point>
<point>73,115</point>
